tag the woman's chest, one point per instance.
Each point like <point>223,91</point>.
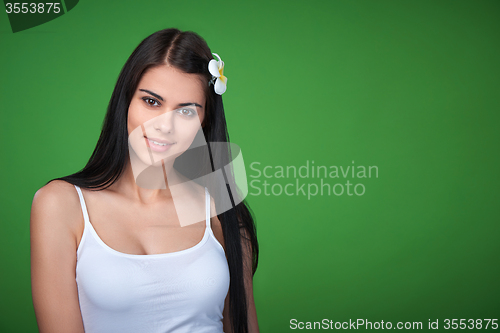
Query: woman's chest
<point>115,281</point>
<point>143,230</point>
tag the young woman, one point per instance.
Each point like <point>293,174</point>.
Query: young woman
<point>150,235</point>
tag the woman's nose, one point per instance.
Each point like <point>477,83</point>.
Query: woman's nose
<point>164,122</point>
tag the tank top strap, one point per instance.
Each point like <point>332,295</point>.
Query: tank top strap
<point>207,207</point>
<point>82,203</point>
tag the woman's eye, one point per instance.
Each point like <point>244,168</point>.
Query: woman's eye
<point>187,112</point>
<point>151,101</point>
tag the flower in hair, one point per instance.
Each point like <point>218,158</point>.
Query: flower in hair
<point>216,68</point>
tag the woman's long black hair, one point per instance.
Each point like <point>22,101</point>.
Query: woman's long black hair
<point>188,52</point>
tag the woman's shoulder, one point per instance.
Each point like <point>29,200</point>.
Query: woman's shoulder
<point>57,205</point>
<point>56,192</point>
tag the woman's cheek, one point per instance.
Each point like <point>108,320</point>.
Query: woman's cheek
<point>192,135</point>
<point>136,114</point>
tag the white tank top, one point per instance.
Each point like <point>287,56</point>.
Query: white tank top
<point>181,291</point>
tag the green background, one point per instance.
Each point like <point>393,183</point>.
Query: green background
<point>409,86</point>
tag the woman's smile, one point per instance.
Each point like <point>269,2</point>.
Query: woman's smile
<point>158,145</point>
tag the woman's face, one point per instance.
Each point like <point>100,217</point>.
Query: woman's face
<point>165,114</point>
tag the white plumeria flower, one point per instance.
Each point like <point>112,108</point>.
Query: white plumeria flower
<point>216,68</point>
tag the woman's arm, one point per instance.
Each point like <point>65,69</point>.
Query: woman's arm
<point>246,247</point>
<point>54,217</point>
<point>253,326</point>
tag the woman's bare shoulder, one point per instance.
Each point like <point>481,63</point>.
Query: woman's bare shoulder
<point>57,203</point>
<point>56,193</point>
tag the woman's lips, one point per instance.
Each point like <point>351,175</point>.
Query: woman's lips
<point>158,145</point>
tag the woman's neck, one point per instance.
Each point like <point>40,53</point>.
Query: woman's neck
<point>147,183</point>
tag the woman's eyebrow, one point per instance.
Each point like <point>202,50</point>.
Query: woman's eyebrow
<point>187,104</point>
<point>161,98</point>
<point>152,93</point>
